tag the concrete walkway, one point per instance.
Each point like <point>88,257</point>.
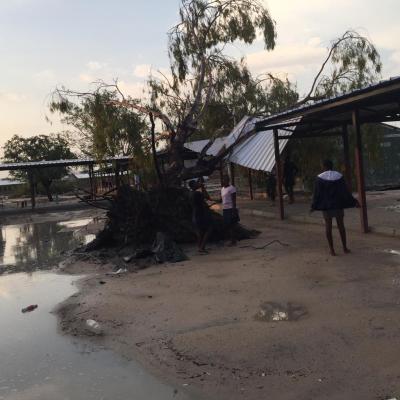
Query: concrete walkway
<point>383,212</point>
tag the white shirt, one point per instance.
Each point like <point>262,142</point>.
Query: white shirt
<point>226,195</point>
<point>330,176</point>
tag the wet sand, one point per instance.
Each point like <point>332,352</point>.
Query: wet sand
<point>217,323</point>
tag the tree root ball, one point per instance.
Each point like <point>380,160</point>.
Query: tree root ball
<point>135,217</point>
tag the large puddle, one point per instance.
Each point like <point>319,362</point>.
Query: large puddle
<point>29,247</point>
<point>37,363</point>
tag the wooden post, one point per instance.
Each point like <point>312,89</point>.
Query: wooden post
<point>360,172</point>
<point>346,156</point>
<point>250,185</point>
<point>278,168</point>
<point>32,189</point>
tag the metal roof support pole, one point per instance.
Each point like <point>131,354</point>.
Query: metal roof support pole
<point>346,154</point>
<point>360,172</point>
<point>250,185</point>
<point>32,189</point>
<point>278,168</point>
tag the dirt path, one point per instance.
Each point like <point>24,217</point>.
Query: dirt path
<point>195,323</point>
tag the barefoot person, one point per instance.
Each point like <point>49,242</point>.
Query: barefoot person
<point>201,214</point>
<point>331,196</point>
<point>230,212</point>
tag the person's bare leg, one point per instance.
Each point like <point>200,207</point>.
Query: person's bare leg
<point>329,237</point>
<point>342,231</point>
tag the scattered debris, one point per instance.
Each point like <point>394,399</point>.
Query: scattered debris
<point>136,217</point>
<point>30,308</point>
<point>165,249</point>
<point>274,312</point>
<point>93,326</point>
<point>391,251</point>
<point>119,271</point>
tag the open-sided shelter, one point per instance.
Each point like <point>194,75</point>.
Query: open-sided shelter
<point>374,104</point>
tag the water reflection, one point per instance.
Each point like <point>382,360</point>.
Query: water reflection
<point>41,245</point>
<point>38,364</point>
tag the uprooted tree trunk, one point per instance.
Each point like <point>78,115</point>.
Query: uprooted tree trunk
<point>135,218</point>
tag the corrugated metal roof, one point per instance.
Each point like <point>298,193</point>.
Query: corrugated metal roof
<point>199,145</point>
<point>293,112</point>
<point>57,163</point>
<point>257,152</point>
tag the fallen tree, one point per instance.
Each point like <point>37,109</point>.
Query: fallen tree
<point>203,82</point>
<point>135,217</point>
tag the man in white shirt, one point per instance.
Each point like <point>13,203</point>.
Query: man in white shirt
<point>230,212</point>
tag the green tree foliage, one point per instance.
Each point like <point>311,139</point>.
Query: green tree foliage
<point>103,129</point>
<point>202,76</point>
<point>206,92</point>
<point>39,148</point>
<point>352,62</point>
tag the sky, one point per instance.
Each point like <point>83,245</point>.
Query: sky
<point>50,43</point>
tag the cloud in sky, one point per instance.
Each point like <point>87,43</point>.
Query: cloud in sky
<point>292,59</point>
<point>95,65</point>
<point>142,71</point>
<point>10,97</point>
<point>86,78</point>
<point>37,54</point>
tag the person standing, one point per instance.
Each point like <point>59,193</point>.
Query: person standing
<point>202,219</point>
<point>332,196</point>
<point>230,211</point>
<point>290,171</point>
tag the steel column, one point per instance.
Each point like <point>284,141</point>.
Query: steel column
<point>278,168</point>
<point>360,173</point>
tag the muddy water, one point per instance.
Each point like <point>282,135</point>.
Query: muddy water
<point>35,246</point>
<point>36,362</point>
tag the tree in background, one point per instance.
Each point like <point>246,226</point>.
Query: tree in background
<point>207,92</point>
<point>39,148</point>
<point>201,73</point>
<point>101,128</point>
<point>352,62</point>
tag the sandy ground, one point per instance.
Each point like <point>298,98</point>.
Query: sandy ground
<point>200,323</point>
